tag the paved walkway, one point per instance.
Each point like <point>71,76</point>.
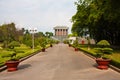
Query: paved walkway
<point>59,63</point>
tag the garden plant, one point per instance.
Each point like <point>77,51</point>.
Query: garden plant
<point>103,49</point>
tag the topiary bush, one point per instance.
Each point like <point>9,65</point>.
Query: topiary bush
<point>13,44</point>
<point>103,43</point>
<point>103,48</point>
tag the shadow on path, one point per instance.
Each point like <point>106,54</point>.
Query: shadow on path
<point>23,66</point>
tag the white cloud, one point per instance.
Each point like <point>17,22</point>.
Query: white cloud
<point>43,14</point>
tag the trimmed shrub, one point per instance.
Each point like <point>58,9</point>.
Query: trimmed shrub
<point>13,44</point>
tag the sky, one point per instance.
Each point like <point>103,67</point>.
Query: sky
<point>42,15</point>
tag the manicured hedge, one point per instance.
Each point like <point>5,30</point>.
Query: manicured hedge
<point>22,52</point>
<point>115,61</point>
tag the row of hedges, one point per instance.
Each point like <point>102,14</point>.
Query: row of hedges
<point>21,52</point>
<point>6,54</point>
<point>92,53</point>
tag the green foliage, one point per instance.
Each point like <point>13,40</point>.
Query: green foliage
<point>7,34</point>
<point>66,41</point>
<point>36,42</point>
<point>40,34</point>
<point>74,34</point>
<point>50,41</point>
<point>43,42</point>
<point>100,17</point>
<point>21,52</point>
<point>11,56</point>
<point>101,51</point>
<point>28,43</point>
<point>104,49</point>
<point>103,43</point>
<point>75,43</point>
<point>13,44</point>
<point>49,34</point>
<point>27,39</point>
<point>6,53</point>
<point>115,56</point>
<point>107,50</point>
<point>56,41</point>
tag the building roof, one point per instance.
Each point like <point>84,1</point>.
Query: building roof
<point>61,27</point>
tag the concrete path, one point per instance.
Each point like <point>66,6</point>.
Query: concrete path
<point>59,63</point>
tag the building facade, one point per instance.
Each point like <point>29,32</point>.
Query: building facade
<point>61,32</point>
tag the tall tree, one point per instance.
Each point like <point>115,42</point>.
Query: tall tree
<point>100,17</point>
<point>8,32</point>
<point>49,34</point>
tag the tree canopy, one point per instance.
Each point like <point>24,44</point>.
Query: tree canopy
<point>9,34</point>
<point>100,17</point>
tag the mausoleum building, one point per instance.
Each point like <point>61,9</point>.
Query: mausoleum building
<point>61,32</point>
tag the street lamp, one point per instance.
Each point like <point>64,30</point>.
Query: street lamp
<point>33,31</point>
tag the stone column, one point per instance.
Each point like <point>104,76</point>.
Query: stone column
<point>62,32</point>
<point>55,32</point>
<point>66,32</point>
